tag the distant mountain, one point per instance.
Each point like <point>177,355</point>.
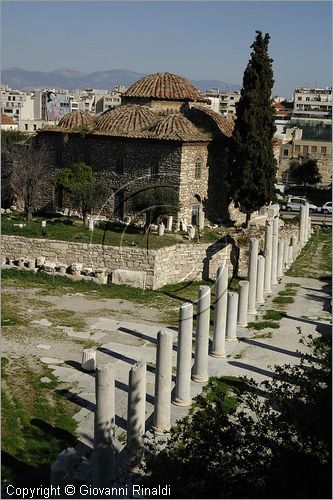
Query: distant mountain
<point>65,78</point>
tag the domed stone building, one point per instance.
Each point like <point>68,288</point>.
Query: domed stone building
<point>162,134</point>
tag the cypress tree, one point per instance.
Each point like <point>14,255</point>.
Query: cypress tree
<point>253,167</point>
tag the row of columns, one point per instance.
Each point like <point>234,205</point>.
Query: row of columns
<point>231,309</point>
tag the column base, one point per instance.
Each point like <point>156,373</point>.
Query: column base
<point>252,312</point>
<point>217,354</point>
<point>261,301</point>
<point>232,340</point>
<point>242,324</point>
<point>181,402</point>
<point>275,282</point>
<point>200,378</point>
<point>268,292</point>
<point>159,431</point>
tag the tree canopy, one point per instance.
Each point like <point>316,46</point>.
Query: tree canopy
<point>155,201</point>
<point>85,193</point>
<point>253,167</point>
<point>305,171</point>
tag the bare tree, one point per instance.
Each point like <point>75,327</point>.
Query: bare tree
<point>28,165</point>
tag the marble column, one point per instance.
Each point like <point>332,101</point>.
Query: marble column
<point>184,356</point>
<point>306,231</point>
<point>201,219</point>
<point>88,360</point>
<point>169,223</point>
<point>252,274</point>
<point>200,367</point>
<point>136,409</point>
<point>91,224</point>
<point>220,312</point>
<point>302,225</point>
<point>104,427</point>
<point>161,229</point>
<point>243,299</point>
<point>260,280</point>
<point>232,309</point>
<point>294,247</point>
<point>280,258</point>
<point>275,243</point>
<point>268,256</point>
<point>309,227</point>
<point>285,262</point>
<point>163,379</point>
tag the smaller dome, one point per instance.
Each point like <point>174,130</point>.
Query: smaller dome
<point>7,120</point>
<point>176,126</point>
<point>126,119</point>
<point>76,119</point>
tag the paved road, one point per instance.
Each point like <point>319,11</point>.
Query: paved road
<point>317,218</point>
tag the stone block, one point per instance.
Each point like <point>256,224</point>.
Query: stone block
<point>136,279</point>
<point>40,261</point>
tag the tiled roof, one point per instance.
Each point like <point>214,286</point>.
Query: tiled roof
<point>176,126</point>
<point>76,119</point>
<point>224,126</point>
<point>7,120</point>
<point>164,86</point>
<point>126,119</point>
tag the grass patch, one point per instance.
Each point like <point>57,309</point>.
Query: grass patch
<point>293,285</point>
<point>283,300</point>
<point>262,325</point>
<point>37,424</point>
<point>271,314</point>
<point>314,261</point>
<point>267,335</point>
<point>288,292</point>
<point>64,317</point>
<point>9,314</point>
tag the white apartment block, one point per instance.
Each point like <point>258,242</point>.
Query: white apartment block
<point>109,101</point>
<point>18,105</point>
<point>313,103</point>
<point>223,103</point>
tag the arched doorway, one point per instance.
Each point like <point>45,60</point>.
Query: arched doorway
<point>195,207</point>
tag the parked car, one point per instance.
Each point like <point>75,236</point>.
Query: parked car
<point>294,203</point>
<point>326,208</point>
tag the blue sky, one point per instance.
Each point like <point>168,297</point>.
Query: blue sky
<point>200,40</point>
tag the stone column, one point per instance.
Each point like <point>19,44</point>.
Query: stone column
<point>306,231</point>
<point>252,274</point>
<point>91,224</point>
<point>184,356</point>
<point>88,360</point>
<point>136,409</point>
<point>285,262</point>
<point>220,312</point>
<point>104,427</point>
<point>200,367</point>
<point>309,227</point>
<point>280,258</point>
<point>161,229</point>
<point>294,247</point>
<point>243,294</point>
<point>268,256</point>
<point>201,219</point>
<point>290,255</point>
<point>43,223</point>
<point>169,223</point>
<point>231,327</point>
<point>302,223</point>
<point>275,242</point>
<point>163,377</point>
<point>260,280</point>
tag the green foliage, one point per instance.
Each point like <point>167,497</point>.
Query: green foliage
<point>305,171</point>
<point>271,314</point>
<point>12,136</point>
<point>84,191</point>
<point>277,446</point>
<point>283,300</point>
<point>253,167</point>
<point>262,325</point>
<point>155,201</point>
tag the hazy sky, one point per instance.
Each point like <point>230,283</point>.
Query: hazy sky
<point>199,40</point>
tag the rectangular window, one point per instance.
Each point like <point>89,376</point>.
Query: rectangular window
<point>26,126</point>
<point>285,152</point>
<point>313,149</point>
<point>297,148</point>
<point>323,150</point>
<point>35,127</point>
<point>305,150</point>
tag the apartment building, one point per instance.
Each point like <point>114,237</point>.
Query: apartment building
<point>223,103</point>
<point>109,101</point>
<point>312,103</point>
<point>17,105</point>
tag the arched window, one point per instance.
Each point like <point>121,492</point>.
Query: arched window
<point>120,165</point>
<point>154,167</point>
<point>197,171</point>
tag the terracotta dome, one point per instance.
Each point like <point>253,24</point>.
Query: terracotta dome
<point>7,120</point>
<point>197,113</point>
<point>176,126</point>
<point>76,119</point>
<point>164,86</point>
<point>126,119</point>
